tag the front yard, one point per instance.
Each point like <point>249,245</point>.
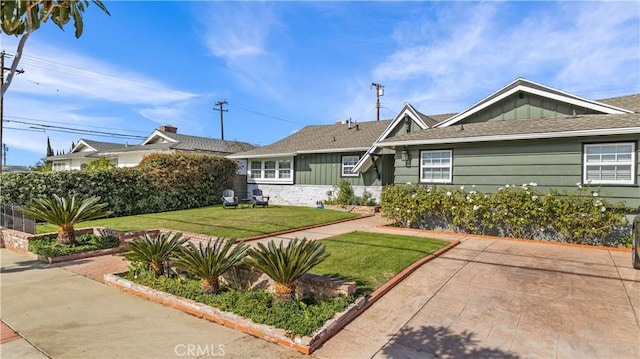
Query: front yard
<point>218,222</point>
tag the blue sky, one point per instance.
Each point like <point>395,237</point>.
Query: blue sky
<point>284,65</point>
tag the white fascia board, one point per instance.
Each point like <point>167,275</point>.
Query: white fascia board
<point>266,155</point>
<point>407,109</point>
<point>366,161</point>
<point>155,134</point>
<point>565,97</point>
<point>523,136</point>
<point>81,143</point>
<point>334,150</point>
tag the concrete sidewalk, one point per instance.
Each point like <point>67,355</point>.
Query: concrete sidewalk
<point>485,298</point>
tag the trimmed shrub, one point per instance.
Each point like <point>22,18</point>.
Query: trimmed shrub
<point>579,216</point>
<point>161,183</point>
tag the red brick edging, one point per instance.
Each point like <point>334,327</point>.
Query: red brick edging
<point>305,345</point>
<point>480,236</point>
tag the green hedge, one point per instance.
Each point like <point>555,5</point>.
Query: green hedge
<point>579,216</point>
<point>162,182</point>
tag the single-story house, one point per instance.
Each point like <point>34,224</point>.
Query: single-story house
<point>524,132</point>
<point>300,169</point>
<point>163,140</point>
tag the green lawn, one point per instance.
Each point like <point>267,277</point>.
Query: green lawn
<point>218,222</point>
<point>371,259</point>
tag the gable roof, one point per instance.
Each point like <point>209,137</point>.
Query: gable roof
<point>531,87</point>
<point>553,127</point>
<point>322,139</point>
<point>96,145</point>
<point>196,143</point>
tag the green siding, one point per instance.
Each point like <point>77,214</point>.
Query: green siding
<point>552,163</point>
<point>326,168</point>
<point>401,129</point>
<point>527,107</point>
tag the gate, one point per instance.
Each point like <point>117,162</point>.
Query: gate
<point>12,217</point>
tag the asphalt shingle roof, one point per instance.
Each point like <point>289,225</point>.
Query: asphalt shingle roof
<point>103,146</point>
<point>629,102</point>
<point>196,143</point>
<point>322,138</point>
<point>516,127</point>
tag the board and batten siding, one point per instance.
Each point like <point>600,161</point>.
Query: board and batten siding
<point>551,163</point>
<point>524,105</point>
<point>326,169</point>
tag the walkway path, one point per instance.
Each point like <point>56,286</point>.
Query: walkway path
<point>486,297</point>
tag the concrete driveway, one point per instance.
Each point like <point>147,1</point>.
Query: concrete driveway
<point>496,298</point>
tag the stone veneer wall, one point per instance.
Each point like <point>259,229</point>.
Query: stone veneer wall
<point>304,195</point>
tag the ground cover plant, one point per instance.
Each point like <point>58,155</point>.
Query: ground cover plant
<point>50,247</point>
<point>298,317</point>
<point>371,259</point>
<point>216,222</point>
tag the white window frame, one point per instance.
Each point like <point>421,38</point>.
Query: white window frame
<point>631,163</point>
<point>449,167</point>
<point>347,168</point>
<point>282,175</point>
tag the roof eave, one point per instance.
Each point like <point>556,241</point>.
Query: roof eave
<point>522,136</point>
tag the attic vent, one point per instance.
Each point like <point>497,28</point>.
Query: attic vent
<point>168,128</point>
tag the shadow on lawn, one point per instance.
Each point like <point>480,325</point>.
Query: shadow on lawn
<point>440,342</point>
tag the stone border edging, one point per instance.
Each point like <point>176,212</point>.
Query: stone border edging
<point>480,236</point>
<point>305,345</point>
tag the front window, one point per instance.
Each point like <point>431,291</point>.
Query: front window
<point>284,169</point>
<point>256,169</point>
<point>435,166</point>
<point>609,163</point>
<point>276,170</point>
<point>348,164</point>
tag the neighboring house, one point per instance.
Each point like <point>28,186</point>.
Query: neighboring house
<point>525,132</point>
<point>302,168</point>
<point>164,140</point>
<point>6,169</point>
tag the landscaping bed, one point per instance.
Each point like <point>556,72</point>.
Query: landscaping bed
<point>377,262</point>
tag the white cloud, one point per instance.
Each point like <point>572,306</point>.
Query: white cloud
<point>241,34</point>
<point>50,70</point>
<point>591,49</point>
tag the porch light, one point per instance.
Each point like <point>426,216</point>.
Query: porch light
<point>404,155</point>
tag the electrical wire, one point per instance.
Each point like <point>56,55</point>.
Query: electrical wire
<point>77,130</point>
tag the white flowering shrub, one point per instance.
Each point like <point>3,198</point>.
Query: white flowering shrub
<point>522,211</point>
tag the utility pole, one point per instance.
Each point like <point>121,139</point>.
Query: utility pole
<point>379,92</point>
<point>3,154</point>
<point>220,104</point>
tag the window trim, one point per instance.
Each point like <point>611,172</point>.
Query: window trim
<point>342,166</point>
<point>632,163</point>
<point>277,179</point>
<point>450,167</point>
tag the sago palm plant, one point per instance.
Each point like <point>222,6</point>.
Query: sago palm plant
<point>286,264</point>
<point>65,212</point>
<point>155,253</point>
<point>208,262</point>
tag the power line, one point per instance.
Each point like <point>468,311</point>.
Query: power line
<point>77,130</point>
<point>66,123</point>
<point>88,74</point>
<point>220,104</point>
